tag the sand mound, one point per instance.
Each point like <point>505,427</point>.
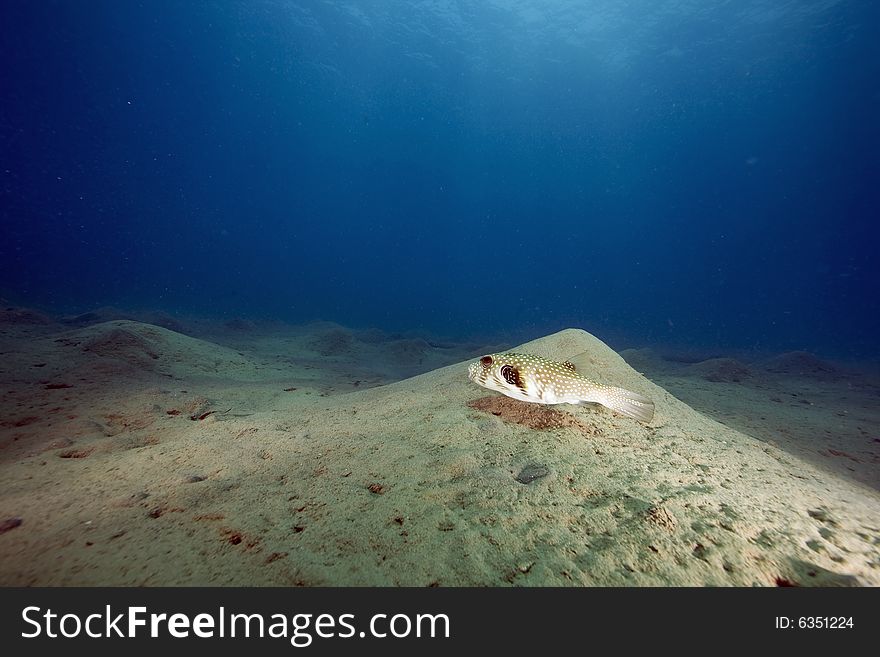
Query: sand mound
<point>643,360</point>
<point>688,356</point>
<point>110,314</point>
<point>240,324</point>
<point>408,352</point>
<point>721,370</point>
<point>11,316</point>
<point>427,482</point>
<point>165,321</point>
<point>333,341</point>
<point>122,343</point>
<point>104,314</point>
<point>802,363</point>
<point>152,348</point>
<point>372,336</point>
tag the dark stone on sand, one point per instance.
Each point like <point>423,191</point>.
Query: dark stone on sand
<point>10,523</point>
<point>532,472</point>
<point>59,443</point>
<point>194,479</point>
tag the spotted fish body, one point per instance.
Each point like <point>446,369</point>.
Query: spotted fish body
<point>539,380</point>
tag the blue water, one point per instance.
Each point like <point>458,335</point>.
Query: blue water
<point>689,172</point>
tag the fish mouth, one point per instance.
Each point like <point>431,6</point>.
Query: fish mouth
<point>472,371</point>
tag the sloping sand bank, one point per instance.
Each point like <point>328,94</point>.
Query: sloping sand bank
<point>139,456</point>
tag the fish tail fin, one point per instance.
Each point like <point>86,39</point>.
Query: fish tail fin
<point>628,403</point>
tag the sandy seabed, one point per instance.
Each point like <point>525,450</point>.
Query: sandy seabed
<point>152,453</point>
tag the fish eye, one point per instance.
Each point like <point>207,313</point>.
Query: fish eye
<point>486,361</point>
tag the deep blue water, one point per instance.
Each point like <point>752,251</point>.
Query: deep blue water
<point>698,172</point>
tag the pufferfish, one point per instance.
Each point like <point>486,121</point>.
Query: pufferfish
<point>542,381</point>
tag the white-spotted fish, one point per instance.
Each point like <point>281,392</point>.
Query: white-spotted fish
<point>542,381</point>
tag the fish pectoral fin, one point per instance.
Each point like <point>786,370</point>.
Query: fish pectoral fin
<point>581,362</point>
<point>626,402</point>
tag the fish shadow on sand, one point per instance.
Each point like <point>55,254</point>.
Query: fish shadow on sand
<point>534,416</point>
